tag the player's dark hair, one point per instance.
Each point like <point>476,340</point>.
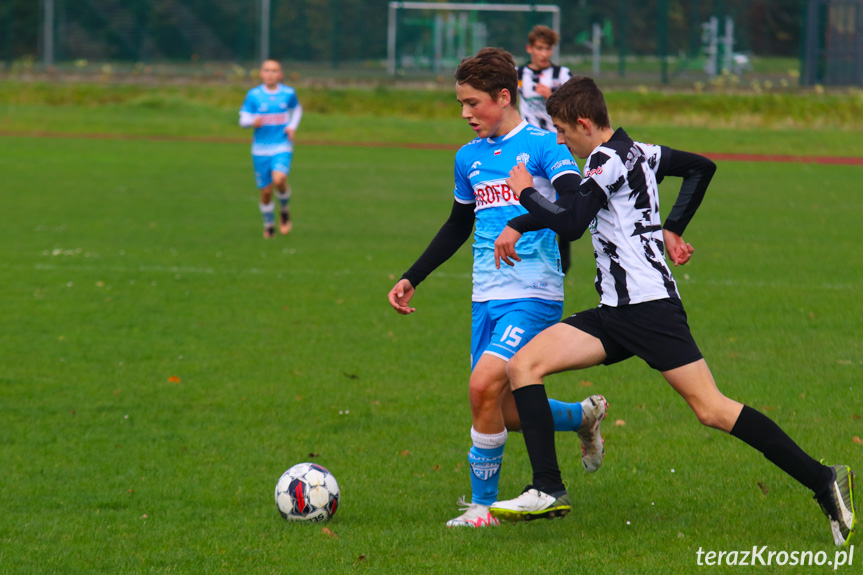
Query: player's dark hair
<point>491,70</point>
<point>543,34</point>
<point>579,97</point>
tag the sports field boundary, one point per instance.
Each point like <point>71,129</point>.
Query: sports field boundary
<point>725,157</point>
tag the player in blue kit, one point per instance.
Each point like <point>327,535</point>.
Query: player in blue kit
<point>274,111</point>
<point>509,306</point>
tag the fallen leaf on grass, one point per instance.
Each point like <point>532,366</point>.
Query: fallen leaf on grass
<point>329,532</point>
<point>763,487</point>
<point>584,383</point>
<point>857,440</point>
<point>313,454</point>
<point>619,423</point>
<point>174,379</point>
<point>405,453</point>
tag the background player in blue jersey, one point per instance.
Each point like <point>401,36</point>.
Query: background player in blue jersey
<point>274,111</point>
<point>509,306</point>
<point>640,313</point>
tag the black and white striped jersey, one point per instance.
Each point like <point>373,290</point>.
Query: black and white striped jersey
<point>531,105</point>
<point>618,201</point>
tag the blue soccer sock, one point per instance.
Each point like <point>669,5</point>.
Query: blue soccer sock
<point>284,199</point>
<point>485,458</point>
<point>567,416</point>
<point>269,214</point>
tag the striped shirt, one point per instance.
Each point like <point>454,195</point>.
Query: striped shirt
<point>531,105</point>
<point>618,201</point>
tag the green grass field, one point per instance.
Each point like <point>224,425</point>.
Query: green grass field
<point>131,264</point>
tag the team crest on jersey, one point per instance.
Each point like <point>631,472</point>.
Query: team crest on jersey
<point>522,158</point>
<point>475,165</point>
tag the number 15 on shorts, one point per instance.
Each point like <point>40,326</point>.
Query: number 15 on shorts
<point>512,336</point>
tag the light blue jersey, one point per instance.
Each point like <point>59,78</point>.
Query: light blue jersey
<point>279,109</point>
<point>481,169</point>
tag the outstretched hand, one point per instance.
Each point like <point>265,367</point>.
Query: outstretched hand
<point>504,247</point>
<point>401,295</point>
<point>678,250</point>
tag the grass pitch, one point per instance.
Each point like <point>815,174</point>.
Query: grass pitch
<point>163,365</point>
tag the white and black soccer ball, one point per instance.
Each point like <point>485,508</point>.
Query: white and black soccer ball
<point>307,492</point>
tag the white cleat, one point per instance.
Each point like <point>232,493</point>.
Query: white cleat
<point>474,515</point>
<point>594,410</point>
<point>533,504</point>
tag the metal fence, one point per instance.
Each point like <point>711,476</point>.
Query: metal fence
<point>659,41</point>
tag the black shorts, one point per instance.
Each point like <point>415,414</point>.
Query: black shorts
<point>656,331</point>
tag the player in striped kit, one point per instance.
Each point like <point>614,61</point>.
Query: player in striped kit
<point>540,78</point>
<point>509,306</point>
<point>274,111</point>
<point>640,313</point>
<point>536,82</point>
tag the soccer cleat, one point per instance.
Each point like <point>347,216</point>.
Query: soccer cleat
<point>285,223</point>
<point>594,410</point>
<point>533,504</point>
<point>837,503</point>
<point>269,231</point>
<point>474,515</point>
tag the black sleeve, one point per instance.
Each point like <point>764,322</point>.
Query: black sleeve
<point>565,187</point>
<point>696,171</point>
<point>455,231</point>
<point>571,217</point>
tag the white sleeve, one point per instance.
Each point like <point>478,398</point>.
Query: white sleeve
<point>296,115</point>
<point>247,119</point>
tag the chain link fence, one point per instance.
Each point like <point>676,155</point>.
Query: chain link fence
<point>649,41</point>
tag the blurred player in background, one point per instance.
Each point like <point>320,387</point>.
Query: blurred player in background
<point>509,306</point>
<point>536,82</point>
<point>274,111</point>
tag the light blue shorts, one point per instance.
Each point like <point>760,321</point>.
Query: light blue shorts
<point>266,165</point>
<point>502,327</point>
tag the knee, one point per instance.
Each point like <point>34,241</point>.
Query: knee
<point>484,391</point>
<point>719,416</point>
<point>520,369</point>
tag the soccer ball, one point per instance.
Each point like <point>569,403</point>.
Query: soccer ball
<point>307,492</point>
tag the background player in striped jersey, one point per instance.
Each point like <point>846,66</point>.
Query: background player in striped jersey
<point>640,313</point>
<point>539,78</point>
<point>274,111</point>
<point>536,82</point>
<point>509,306</point>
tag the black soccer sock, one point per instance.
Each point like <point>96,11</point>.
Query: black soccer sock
<point>537,426</point>
<point>763,434</point>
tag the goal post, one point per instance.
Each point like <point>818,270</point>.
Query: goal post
<point>437,35</point>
